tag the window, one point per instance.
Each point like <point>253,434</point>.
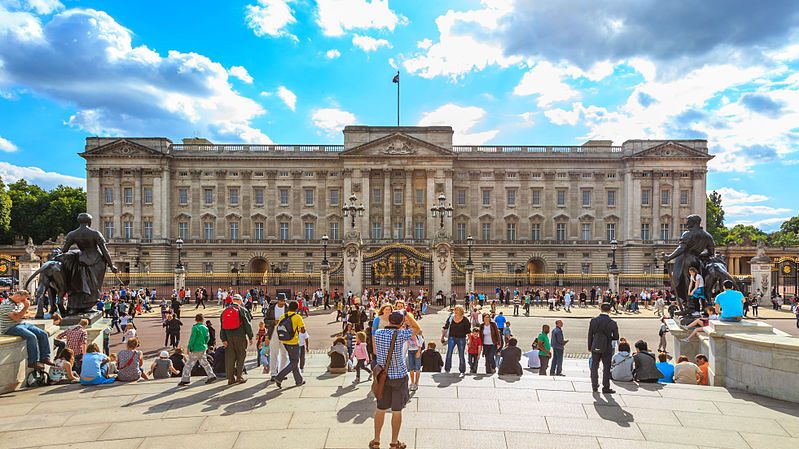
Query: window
<point>234,196</point>
<point>397,196</point>
<point>208,231</point>
<point>183,230</point>
<point>334,199</point>
<point>683,228</point>
<point>561,197</point>
<point>585,231</point>
<point>259,231</point>
<point>283,174</point>
<point>309,231</point>
<point>645,194</point>
<point>398,230</point>
<point>683,197</point>
<point>535,232</point>
<point>284,197</point>
<point>645,235</point>
<point>234,230</point>
<point>510,267</point>
<point>536,197</point>
<point>309,267</point>
<point>128,230</point>
<point>259,196</point>
<point>148,195</point>
<point>284,230</point>
<point>419,196</point>
<point>486,231</point>
<point>665,197</point>
<point>586,194</point>
<point>109,195</point>
<point>664,231</point>
<point>560,232</point>
<point>183,196</point>
<point>418,231</point>
<point>611,227</point>
<point>109,229</point>
<point>377,231</point>
<point>334,233</point>
<point>511,195</point>
<point>208,196</point>
<point>585,268</point>
<point>461,197</point>
<point>377,195</point>
<point>486,267</point>
<point>147,228</point>
<point>611,198</point>
<point>486,197</point>
<point>128,194</point>
<point>511,232</point>
<point>309,194</point>
<point>460,231</point>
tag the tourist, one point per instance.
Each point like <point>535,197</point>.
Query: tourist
<point>130,332</point>
<point>506,333</point>
<point>511,356</point>
<point>197,347</point>
<point>533,361</point>
<point>696,289</point>
<point>686,372</point>
<point>219,361</point>
<point>491,341</point>
<point>645,364</point>
<point>455,330</point>
<point>395,393</point>
<point>544,349</point>
<point>37,341</point>
<point>178,359</point>
<point>236,336</point>
<point>664,329</point>
<point>602,332</point>
<point>130,362</point>
<point>415,348</point>
<point>76,339</point>
<point>112,365</point>
<point>665,368</point>
<point>288,332</point>
<point>473,346</point>
<point>699,323</point>
<point>61,371</point>
<point>278,358</point>
<point>304,342</point>
<point>558,347</point>
<point>338,357</point>
<point>211,333</point>
<point>622,364</point>
<point>731,302</point>
<point>162,367</point>
<point>702,363</point>
<point>260,338</point>
<point>756,304</point>
<point>93,370</point>
<point>431,359</point>
<point>500,320</point>
<point>172,330</point>
<point>349,337</point>
<point>361,356</point>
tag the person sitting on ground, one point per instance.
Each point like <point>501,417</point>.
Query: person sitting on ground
<point>621,366</point>
<point>61,371</point>
<point>645,364</point>
<point>702,363</point>
<point>130,363</point>
<point>686,372</point>
<point>112,365</point>
<point>432,362</point>
<point>338,356</point>
<point>178,359</point>
<point>666,368</point>
<point>511,356</point>
<point>533,362</point>
<point>93,369</point>
<point>162,367</point>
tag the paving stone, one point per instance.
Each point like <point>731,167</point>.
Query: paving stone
<point>64,435</point>
<point>426,391</point>
<point>48,406</point>
<point>613,443</point>
<point>458,405</point>
<point>534,384</point>
<point>92,416</point>
<point>497,393</point>
<point>541,408</point>
<point>152,427</point>
<point>731,423</point>
<point>25,422</point>
<point>625,388</point>
<point>222,440</point>
<point>631,414</point>
<point>685,405</point>
<point>306,439</point>
<point>347,437</point>
<point>594,427</point>
<point>706,395</point>
<point>332,392</point>
<point>478,420</point>
<point>243,423</point>
<point>431,420</point>
<point>128,443</point>
<point>520,440</point>
<point>578,397</point>
<point>756,410</point>
<point>762,441</point>
<point>298,405</point>
<point>707,437</point>
<point>790,425</point>
<point>436,439</point>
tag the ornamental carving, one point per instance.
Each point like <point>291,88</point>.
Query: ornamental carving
<point>442,257</point>
<point>398,148</point>
<point>351,254</point>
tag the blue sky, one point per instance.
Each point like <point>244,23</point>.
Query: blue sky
<point>498,71</point>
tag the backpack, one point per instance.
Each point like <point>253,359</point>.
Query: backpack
<point>285,328</point>
<point>231,318</point>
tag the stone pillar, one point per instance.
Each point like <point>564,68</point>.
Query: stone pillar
<point>387,225</point>
<point>353,263</point>
<point>761,273</point>
<point>324,278</point>
<point>409,197</point>
<point>442,264</point>
<point>180,278</point>
<point>613,280</point>
<point>469,278</point>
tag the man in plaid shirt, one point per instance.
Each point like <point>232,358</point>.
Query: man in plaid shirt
<point>76,339</point>
<point>395,394</point>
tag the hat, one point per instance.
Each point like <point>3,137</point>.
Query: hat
<point>396,318</point>
<point>237,297</point>
<point>164,355</point>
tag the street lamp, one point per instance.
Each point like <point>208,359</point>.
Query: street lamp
<point>353,210</point>
<point>613,246</point>
<point>325,238</point>
<point>442,210</point>
<point>179,245</point>
<point>469,244</point>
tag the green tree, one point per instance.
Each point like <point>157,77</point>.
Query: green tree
<point>715,217</point>
<point>744,235</point>
<point>5,209</point>
<point>42,214</point>
<point>788,235</point>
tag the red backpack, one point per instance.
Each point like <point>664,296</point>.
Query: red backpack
<point>231,318</point>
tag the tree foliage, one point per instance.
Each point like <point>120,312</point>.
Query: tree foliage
<point>715,217</point>
<point>42,214</point>
<point>745,235</point>
<point>5,209</point>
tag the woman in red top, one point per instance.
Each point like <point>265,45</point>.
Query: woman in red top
<point>475,344</point>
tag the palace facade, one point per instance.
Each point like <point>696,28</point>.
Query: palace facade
<point>535,208</point>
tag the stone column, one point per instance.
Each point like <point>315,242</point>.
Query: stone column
<point>324,278</point>
<point>442,265</point>
<point>353,263</point>
<point>137,203</point>
<point>761,274</point>
<point>165,205</point>
<point>118,199</point>
<point>613,280</point>
<point>180,278</point>
<point>469,278</point>
<point>388,232</point>
<point>430,194</point>
<point>409,198</point>
<point>363,197</point>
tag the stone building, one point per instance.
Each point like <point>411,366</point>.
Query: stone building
<point>539,209</point>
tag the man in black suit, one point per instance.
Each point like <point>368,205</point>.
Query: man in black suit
<point>602,332</point>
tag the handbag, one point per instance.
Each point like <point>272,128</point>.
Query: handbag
<point>380,374</point>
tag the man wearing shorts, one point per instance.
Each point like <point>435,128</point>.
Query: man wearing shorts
<point>395,394</point>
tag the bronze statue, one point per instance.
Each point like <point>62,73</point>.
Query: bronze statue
<point>52,286</point>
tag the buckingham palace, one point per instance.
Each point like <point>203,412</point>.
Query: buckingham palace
<point>261,207</point>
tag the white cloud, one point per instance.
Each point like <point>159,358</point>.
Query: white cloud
<point>42,7</point>
<point>424,44</point>
<point>368,43</point>
<point>528,118</point>
<point>766,224</point>
<point>35,175</point>
<point>270,18</point>
<point>546,81</point>
<point>288,97</point>
<point>748,209</point>
<point>138,92</point>
<point>241,73</point>
<point>336,17</point>
<point>332,120</point>
<point>7,145</point>
<point>462,119</point>
<point>332,54</point>
<point>563,117</point>
<point>730,197</point>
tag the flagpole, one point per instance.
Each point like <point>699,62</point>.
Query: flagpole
<point>398,99</point>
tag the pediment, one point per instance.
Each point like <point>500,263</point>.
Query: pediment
<point>585,217</point>
<point>398,145</point>
<point>122,147</point>
<point>536,217</point>
<point>258,216</point>
<point>672,150</point>
<point>561,217</point>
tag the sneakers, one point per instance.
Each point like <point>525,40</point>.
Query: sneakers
<point>279,384</point>
<point>608,391</point>
<point>211,380</point>
<point>414,387</point>
<point>183,383</point>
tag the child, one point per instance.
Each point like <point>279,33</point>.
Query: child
<point>533,362</point>
<point>264,355</point>
<point>162,367</point>
<point>361,356</point>
<point>431,359</point>
<point>506,333</point>
<point>475,344</point>
<point>259,340</point>
<point>304,343</point>
<point>130,332</point>
<point>112,365</point>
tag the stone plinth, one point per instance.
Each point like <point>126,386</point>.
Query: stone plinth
<point>324,278</point>
<point>613,279</point>
<point>761,280</point>
<point>442,267</point>
<point>469,278</point>
<point>26,270</point>
<point>353,263</point>
<point>180,278</point>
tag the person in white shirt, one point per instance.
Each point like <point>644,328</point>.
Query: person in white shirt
<point>304,342</point>
<point>696,290</point>
<point>533,362</point>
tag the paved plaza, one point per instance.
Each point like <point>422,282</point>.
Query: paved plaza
<point>447,411</point>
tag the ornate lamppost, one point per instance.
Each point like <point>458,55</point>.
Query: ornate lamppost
<point>469,244</point>
<point>353,210</point>
<point>325,274</point>
<point>614,245</point>
<point>469,266</point>
<point>325,239</point>
<point>179,246</point>
<point>442,209</point>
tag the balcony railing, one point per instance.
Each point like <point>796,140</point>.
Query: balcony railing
<point>180,148</point>
<point>533,149</point>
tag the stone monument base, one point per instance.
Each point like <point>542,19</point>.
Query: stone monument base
<point>72,320</point>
